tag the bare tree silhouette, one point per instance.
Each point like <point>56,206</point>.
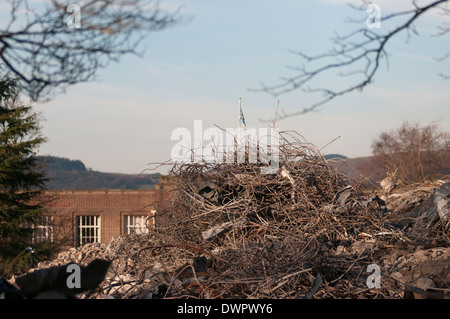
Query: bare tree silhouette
<point>414,152</point>
<point>358,54</point>
<point>50,45</point>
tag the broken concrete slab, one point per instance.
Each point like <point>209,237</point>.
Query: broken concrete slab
<point>435,206</point>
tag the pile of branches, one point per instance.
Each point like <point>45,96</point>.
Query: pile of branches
<point>269,235</point>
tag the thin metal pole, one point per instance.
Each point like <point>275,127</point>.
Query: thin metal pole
<point>32,259</point>
<point>239,121</point>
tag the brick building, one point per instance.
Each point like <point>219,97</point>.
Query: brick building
<point>77,217</point>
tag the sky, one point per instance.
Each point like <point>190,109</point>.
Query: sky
<point>123,121</point>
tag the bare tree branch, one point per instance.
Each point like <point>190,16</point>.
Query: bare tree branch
<point>45,50</point>
<point>358,54</point>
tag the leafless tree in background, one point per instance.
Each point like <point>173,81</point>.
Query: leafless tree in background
<point>416,152</point>
<point>56,43</point>
<point>357,55</point>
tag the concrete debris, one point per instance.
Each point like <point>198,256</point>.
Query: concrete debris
<point>342,196</point>
<point>425,274</point>
<point>433,211</point>
<point>390,182</point>
<point>403,200</point>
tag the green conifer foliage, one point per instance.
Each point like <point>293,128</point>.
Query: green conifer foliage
<point>21,180</point>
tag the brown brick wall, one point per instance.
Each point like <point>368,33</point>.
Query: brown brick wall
<point>110,205</point>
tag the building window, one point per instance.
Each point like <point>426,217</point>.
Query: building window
<point>135,224</point>
<point>42,230</point>
<point>88,230</point>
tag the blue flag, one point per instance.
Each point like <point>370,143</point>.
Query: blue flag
<point>242,117</point>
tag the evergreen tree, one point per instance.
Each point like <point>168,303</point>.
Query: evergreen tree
<point>21,180</point>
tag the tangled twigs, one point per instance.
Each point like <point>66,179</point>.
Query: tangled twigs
<point>267,233</point>
<point>188,247</point>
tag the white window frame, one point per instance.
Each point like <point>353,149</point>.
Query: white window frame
<point>88,229</point>
<point>43,230</point>
<point>135,224</point>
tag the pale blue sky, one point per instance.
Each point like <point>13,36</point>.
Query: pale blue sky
<point>198,70</point>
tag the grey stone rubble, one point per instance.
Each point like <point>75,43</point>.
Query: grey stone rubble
<point>124,278</point>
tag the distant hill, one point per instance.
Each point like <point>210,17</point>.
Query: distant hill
<point>362,170</point>
<point>65,174</point>
<point>334,156</point>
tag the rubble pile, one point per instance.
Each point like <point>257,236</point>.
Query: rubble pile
<point>271,235</point>
<point>304,231</point>
<point>124,277</point>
